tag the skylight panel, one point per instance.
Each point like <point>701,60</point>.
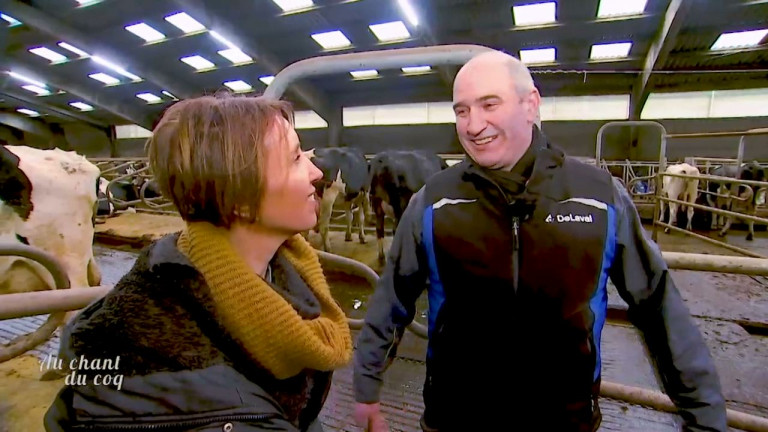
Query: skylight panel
<point>81,106</point>
<point>238,85</point>
<point>35,89</point>
<point>367,73</point>
<point>612,50</point>
<point>390,31</point>
<point>534,14</point>
<point>11,20</point>
<point>416,69</point>
<point>267,79</point>
<point>198,62</point>
<point>74,49</point>
<point>616,8</point>
<point>26,79</point>
<point>538,55</point>
<point>186,23</point>
<point>410,13</point>
<point>106,79</point>
<point>46,53</point>
<point>115,68</point>
<point>28,112</point>
<point>149,97</point>
<point>332,39</point>
<point>235,55</point>
<point>145,32</point>
<point>293,5</point>
<point>739,39</point>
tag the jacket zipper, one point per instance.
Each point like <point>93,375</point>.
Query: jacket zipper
<point>515,253</point>
<point>177,424</point>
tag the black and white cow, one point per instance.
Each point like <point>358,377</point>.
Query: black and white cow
<point>345,176</point>
<point>742,198</point>
<point>47,201</point>
<point>394,176</point>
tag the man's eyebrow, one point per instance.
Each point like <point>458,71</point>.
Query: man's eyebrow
<point>480,99</point>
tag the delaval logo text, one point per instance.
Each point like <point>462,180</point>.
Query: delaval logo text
<point>570,217</point>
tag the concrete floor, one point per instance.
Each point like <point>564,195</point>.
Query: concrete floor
<point>730,310</point>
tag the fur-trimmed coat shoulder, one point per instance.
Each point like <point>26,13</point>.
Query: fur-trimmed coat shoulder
<point>179,364</point>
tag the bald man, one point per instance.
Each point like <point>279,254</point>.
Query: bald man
<point>515,246</point>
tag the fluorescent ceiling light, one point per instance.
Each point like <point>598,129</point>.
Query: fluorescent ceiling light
<point>81,106</point>
<point>612,50</point>
<point>145,32</point>
<point>35,89</point>
<point>267,79</point>
<point>409,12</point>
<point>87,2</point>
<point>368,73</point>
<point>416,69</point>
<point>149,97</point>
<point>198,62</point>
<point>238,85</point>
<point>534,14</point>
<point>28,112</point>
<point>390,31</point>
<point>739,39</point>
<point>106,79</point>
<point>115,68</point>
<point>235,55</point>
<point>21,77</point>
<point>169,95</point>
<point>614,8</point>
<point>11,20</point>
<point>44,52</point>
<point>186,23</point>
<point>293,5</point>
<point>332,39</point>
<point>74,49</point>
<point>539,55</point>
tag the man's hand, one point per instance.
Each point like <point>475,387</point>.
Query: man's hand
<point>369,417</point>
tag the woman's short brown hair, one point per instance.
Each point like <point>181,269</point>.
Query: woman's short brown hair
<point>208,155</point>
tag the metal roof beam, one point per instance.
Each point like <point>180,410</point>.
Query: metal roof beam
<point>315,98</point>
<point>657,53</point>
<point>129,112</point>
<point>44,23</point>
<point>25,124</point>
<point>52,110</point>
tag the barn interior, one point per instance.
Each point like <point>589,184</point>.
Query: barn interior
<point>95,76</point>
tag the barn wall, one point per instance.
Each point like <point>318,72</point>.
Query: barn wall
<point>576,137</point>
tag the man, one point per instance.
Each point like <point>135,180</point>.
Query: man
<point>517,243</point>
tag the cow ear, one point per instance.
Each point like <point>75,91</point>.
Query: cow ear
<point>15,187</point>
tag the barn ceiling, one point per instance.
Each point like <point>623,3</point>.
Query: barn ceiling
<point>671,50</point>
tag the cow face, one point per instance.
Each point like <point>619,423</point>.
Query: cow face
<point>48,199</point>
<point>753,171</point>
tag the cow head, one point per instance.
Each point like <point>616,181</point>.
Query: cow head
<point>47,201</point>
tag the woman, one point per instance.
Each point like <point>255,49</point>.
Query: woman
<point>228,325</point>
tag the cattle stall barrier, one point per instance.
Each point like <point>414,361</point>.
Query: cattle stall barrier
<point>715,211</point>
<point>65,299</point>
<point>112,170</point>
<point>24,343</point>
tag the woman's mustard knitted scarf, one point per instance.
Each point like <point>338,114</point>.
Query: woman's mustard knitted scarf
<point>258,317</point>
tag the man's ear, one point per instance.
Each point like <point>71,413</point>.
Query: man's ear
<point>532,105</point>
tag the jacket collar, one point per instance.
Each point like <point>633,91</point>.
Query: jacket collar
<point>548,158</point>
